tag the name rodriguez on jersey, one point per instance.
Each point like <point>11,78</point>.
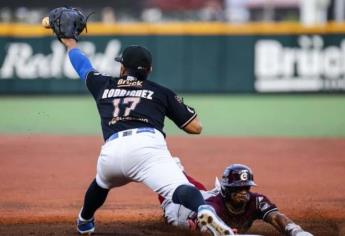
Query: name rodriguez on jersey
<point>113,93</point>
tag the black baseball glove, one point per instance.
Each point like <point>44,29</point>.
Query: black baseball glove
<point>67,22</point>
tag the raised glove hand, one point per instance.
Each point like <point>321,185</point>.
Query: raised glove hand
<point>67,22</point>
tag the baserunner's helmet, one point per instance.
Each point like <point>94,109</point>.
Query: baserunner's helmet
<point>235,176</point>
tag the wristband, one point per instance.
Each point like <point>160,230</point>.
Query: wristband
<point>292,228</point>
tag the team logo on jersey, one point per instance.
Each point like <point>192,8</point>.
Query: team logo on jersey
<point>244,176</point>
<point>263,206</point>
<point>129,83</point>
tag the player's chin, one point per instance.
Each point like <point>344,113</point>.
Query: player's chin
<point>241,199</point>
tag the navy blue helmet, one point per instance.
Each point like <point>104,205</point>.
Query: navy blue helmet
<point>236,176</point>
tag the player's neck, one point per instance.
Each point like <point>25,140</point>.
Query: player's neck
<point>235,208</point>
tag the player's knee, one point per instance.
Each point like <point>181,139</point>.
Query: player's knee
<point>181,192</point>
<point>188,195</point>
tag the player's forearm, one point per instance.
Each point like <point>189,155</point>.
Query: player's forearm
<point>69,43</point>
<point>286,226</point>
<point>278,220</point>
<point>194,127</point>
<point>80,62</point>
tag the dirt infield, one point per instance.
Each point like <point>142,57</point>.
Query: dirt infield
<point>43,180</point>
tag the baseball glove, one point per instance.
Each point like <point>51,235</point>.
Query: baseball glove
<point>67,22</point>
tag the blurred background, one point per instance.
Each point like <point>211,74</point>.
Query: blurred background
<point>233,11</point>
<point>221,55</point>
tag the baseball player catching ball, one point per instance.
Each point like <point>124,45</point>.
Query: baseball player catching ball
<point>234,203</point>
<point>132,111</point>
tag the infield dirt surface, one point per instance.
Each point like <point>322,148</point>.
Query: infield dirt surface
<point>44,178</point>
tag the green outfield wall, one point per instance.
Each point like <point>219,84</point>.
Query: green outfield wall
<point>199,58</point>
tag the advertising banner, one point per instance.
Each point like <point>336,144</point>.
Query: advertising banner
<point>300,63</point>
<point>193,58</point>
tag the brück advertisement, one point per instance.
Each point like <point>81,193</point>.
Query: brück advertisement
<point>310,65</point>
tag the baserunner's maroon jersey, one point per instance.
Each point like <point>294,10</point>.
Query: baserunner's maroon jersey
<point>258,207</point>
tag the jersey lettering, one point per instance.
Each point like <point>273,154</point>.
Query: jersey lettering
<point>113,93</point>
<point>119,107</point>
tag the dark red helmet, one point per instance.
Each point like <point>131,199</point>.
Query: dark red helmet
<point>234,176</point>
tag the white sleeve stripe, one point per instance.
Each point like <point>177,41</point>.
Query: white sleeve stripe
<point>274,209</point>
<point>188,121</point>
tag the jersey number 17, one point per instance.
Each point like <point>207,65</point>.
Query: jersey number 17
<point>128,104</point>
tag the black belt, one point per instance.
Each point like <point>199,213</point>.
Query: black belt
<point>130,132</point>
